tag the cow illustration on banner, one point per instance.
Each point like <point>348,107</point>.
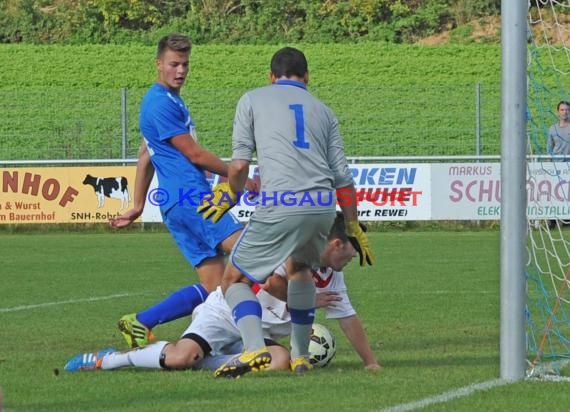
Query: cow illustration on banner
<point>111,187</point>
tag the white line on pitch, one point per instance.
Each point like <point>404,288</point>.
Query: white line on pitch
<point>65,302</point>
<point>447,396</point>
<point>444,292</point>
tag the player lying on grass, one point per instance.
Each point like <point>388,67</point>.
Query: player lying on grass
<point>212,337</point>
<point>137,328</point>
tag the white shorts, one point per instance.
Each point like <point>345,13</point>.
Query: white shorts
<point>213,322</point>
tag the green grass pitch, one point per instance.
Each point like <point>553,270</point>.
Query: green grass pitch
<point>430,307</point>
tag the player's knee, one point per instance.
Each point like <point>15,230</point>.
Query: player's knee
<point>210,272</point>
<point>298,271</point>
<point>232,275</point>
<point>279,358</point>
<point>211,283</point>
<point>176,356</point>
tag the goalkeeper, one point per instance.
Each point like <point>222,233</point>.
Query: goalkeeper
<point>212,337</point>
<point>302,163</point>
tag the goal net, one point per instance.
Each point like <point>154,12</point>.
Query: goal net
<point>548,191</point>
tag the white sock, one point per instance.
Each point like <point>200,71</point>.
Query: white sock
<point>144,357</point>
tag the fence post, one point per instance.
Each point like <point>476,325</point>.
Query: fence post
<point>478,119</point>
<point>124,122</point>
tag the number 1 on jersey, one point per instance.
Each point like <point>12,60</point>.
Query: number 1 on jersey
<point>299,126</point>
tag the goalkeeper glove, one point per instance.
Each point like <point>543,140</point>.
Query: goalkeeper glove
<point>360,242</point>
<point>223,200</point>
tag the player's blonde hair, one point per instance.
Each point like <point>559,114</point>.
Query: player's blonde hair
<point>173,41</point>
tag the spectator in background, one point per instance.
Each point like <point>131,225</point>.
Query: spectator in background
<point>559,140</point>
<point>559,134</point>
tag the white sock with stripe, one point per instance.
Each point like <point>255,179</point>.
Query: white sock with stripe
<point>144,357</point>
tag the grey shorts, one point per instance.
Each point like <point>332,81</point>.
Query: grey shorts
<point>262,246</point>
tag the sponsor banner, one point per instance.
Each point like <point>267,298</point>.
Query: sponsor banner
<point>151,211</point>
<point>392,191</point>
<point>64,194</point>
<point>548,191</point>
<point>385,192</point>
<point>242,212</point>
<point>466,191</point>
<point>472,191</point>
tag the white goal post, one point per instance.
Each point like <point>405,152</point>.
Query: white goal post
<point>513,191</point>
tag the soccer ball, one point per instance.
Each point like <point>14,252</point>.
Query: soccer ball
<point>322,346</point>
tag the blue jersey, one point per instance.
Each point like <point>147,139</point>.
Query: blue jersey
<point>164,115</point>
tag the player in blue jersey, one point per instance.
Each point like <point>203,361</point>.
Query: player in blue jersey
<point>170,148</point>
<point>302,164</point>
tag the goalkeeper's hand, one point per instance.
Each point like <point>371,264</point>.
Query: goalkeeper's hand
<point>223,200</point>
<point>360,242</point>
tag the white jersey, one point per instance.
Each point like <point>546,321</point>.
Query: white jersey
<point>213,320</point>
<point>326,280</point>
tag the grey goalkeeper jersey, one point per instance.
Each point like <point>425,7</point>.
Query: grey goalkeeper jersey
<point>298,145</point>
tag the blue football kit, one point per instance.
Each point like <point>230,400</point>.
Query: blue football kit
<point>181,185</point>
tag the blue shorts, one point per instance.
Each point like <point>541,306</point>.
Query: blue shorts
<point>198,239</point>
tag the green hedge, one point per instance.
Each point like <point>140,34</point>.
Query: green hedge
<point>233,22</point>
